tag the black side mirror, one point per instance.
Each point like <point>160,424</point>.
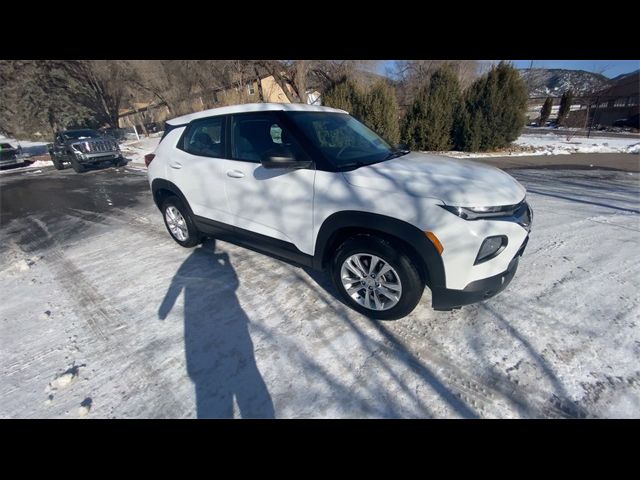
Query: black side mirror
<point>283,158</point>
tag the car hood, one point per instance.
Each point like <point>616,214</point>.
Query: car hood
<point>456,182</point>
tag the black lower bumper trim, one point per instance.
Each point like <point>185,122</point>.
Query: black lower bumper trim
<point>446,299</point>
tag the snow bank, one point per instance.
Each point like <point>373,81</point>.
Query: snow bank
<point>30,167</point>
<point>553,144</point>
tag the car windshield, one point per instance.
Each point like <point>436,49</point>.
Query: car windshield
<point>80,134</point>
<point>345,141</point>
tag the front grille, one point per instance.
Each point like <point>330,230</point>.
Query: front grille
<point>97,146</point>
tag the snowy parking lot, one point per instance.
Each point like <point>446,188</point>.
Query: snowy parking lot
<point>103,316</point>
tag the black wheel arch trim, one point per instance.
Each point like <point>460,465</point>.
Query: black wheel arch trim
<point>162,184</point>
<point>389,226</point>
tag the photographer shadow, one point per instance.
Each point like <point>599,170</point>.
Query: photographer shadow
<point>218,348</point>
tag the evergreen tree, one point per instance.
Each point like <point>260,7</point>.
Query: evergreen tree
<point>376,108</point>
<point>493,112</point>
<point>429,123</point>
<point>565,106</point>
<point>545,111</point>
<point>379,112</point>
<point>344,95</point>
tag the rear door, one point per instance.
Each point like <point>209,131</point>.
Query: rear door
<point>197,166</point>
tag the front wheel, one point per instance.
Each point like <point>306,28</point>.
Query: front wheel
<point>120,162</point>
<point>77,166</point>
<point>57,163</point>
<point>376,278</point>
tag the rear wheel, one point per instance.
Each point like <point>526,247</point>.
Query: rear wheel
<point>376,278</point>
<point>179,223</point>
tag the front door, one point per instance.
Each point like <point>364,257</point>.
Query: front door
<point>277,202</point>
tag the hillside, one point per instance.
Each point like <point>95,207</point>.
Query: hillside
<point>554,82</point>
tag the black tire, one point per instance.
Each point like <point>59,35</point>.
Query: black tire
<point>77,166</point>
<point>194,237</point>
<point>411,281</point>
<point>57,163</point>
<point>120,162</point>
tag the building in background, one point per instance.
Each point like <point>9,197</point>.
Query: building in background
<point>615,106</point>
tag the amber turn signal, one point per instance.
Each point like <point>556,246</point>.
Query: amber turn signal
<point>436,243</point>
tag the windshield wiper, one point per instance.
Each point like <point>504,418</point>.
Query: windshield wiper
<point>360,163</point>
<point>356,164</point>
<point>396,154</point>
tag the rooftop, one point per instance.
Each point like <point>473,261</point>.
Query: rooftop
<point>252,107</point>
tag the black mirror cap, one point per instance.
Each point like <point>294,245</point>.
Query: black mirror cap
<point>274,161</point>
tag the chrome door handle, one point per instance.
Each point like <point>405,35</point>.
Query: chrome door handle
<point>176,165</point>
<point>235,174</point>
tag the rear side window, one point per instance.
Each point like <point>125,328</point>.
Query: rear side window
<point>204,138</point>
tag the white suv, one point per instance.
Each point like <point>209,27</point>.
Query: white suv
<point>313,186</point>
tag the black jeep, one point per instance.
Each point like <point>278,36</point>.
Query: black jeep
<point>84,147</point>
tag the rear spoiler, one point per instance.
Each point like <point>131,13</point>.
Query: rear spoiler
<point>168,127</point>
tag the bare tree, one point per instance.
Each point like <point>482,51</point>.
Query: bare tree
<point>297,78</point>
<point>106,83</point>
<point>412,75</point>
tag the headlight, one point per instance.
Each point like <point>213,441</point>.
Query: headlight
<point>477,213</point>
<point>491,248</point>
<point>78,147</point>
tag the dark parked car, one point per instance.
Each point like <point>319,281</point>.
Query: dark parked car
<point>84,147</point>
<point>9,155</point>
<point>630,122</point>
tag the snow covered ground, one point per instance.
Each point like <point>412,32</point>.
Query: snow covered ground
<point>104,316</point>
<point>551,144</point>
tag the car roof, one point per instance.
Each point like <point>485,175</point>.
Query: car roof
<point>252,107</point>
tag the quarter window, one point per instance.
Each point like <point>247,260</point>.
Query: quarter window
<point>205,138</point>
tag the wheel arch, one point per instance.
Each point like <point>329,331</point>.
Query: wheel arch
<point>342,225</point>
<point>162,189</point>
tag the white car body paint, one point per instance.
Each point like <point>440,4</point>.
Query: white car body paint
<point>291,205</point>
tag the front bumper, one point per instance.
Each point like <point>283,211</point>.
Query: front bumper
<point>98,157</point>
<point>479,290</point>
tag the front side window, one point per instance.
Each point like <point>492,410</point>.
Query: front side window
<point>256,136</point>
<point>205,138</point>
<point>342,139</point>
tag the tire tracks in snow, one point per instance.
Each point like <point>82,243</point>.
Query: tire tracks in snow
<point>103,318</point>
